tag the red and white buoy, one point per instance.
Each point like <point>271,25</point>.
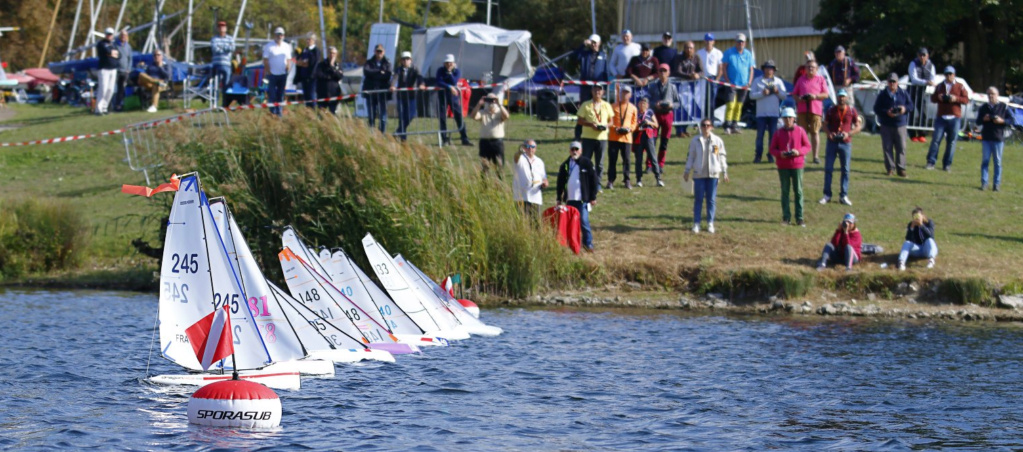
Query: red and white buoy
<point>235,403</point>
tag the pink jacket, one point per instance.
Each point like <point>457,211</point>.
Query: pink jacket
<point>784,140</point>
<point>804,85</point>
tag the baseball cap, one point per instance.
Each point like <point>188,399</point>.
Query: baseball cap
<point>666,34</point>
<point>740,37</point>
<point>406,54</point>
<point>768,64</point>
<point>788,112</point>
<point>644,46</point>
<point>626,89</point>
<point>626,32</point>
<point>664,66</point>
<point>109,31</point>
<point>893,77</point>
<point>575,145</point>
<point>221,24</point>
<point>595,37</point>
<point>950,70</point>
<point>449,58</point>
<point>922,51</point>
<point>708,37</point>
<point>841,93</point>
<point>279,31</point>
<point>849,217</point>
<point>839,49</point>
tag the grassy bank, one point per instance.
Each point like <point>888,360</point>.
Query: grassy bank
<point>642,236</point>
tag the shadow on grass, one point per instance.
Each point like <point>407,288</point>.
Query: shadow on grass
<point>663,216</point>
<point>806,262</point>
<point>624,228</point>
<point>747,198</point>
<point>974,235</point>
<point>85,191</point>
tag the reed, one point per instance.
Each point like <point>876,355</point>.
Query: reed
<point>40,236</point>
<point>336,180</point>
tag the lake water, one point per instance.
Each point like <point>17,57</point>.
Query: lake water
<point>72,368</point>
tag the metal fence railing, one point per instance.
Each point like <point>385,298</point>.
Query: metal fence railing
<point>142,146</point>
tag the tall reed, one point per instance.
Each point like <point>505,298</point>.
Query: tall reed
<point>40,235</point>
<point>336,180</point>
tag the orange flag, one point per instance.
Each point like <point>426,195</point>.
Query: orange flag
<point>142,190</point>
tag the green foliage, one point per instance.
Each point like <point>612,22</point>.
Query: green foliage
<point>888,33</point>
<point>335,181</point>
<point>1014,287</point>
<point>38,236</point>
<point>755,283</point>
<point>967,291</point>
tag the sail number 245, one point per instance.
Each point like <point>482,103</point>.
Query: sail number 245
<point>185,263</point>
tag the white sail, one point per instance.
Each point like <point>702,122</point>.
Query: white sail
<point>422,310</point>
<point>277,333</point>
<point>347,276</point>
<point>472,324</point>
<point>196,277</point>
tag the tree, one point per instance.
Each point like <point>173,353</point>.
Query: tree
<point>979,37</point>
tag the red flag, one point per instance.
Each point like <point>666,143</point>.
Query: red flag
<point>448,286</point>
<point>147,192</point>
<point>211,337</point>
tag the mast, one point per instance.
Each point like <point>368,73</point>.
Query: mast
<point>74,29</point>
<point>749,30</point>
<point>49,33</point>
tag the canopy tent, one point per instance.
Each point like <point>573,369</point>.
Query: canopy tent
<point>479,50</point>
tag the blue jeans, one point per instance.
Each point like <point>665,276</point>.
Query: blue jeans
<point>948,128</point>
<point>275,91</point>
<point>909,249</point>
<point>223,74</point>
<point>991,148</point>
<point>705,188</point>
<point>444,99</point>
<point>584,222</point>
<point>406,111</point>
<point>842,151</point>
<point>770,125</point>
<point>378,110</point>
<point>846,256</point>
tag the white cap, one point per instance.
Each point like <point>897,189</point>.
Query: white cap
<point>449,58</point>
<point>406,54</point>
<point>109,31</point>
<point>595,37</point>
<point>279,31</point>
<point>740,37</point>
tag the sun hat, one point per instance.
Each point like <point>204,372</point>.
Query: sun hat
<point>449,58</point>
<point>788,112</point>
<point>279,31</point>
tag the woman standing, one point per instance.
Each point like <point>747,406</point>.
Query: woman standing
<point>646,133</point>
<point>919,240</point>
<point>706,162</point>
<point>328,76</point>
<point>845,245</point>
<point>530,179</point>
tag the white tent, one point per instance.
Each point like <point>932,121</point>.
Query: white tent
<point>479,49</point>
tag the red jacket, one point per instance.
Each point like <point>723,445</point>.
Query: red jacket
<point>784,140</point>
<point>950,108</point>
<point>840,240</point>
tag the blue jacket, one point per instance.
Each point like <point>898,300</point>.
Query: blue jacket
<point>446,79</point>
<point>886,101</point>
<point>593,66</point>
<point>104,49</point>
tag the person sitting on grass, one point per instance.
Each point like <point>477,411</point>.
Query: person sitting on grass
<point>845,245</point>
<point>919,240</point>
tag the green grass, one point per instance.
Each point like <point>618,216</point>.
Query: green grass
<point>641,235</point>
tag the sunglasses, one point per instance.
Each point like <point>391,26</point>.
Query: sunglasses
<point>379,51</point>
<point>575,149</point>
<point>530,146</point>
<point>706,125</point>
<point>662,70</point>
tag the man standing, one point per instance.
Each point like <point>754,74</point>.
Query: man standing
<point>593,67</point>
<point>577,187</point>
<point>707,162</point>
<point>841,123</point>
<point>491,116</point>
<point>921,75</point>
<point>663,98</point>
<point>665,52</point>
<point>376,76</point>
<point>623,53</point>
<point>123,68</point>
<point>843,71</point>
<point>222,47</point>
<point>406,77</point>
<point>449,95</point>
<point>108,63</point>
<point>595,116</point>
<point>789,148</point>
<point>736,69</point>
<point>306,62</point>
<point>809,92</point>
<point>154,79</point>
<point>993,116</point>
<point>642,67</point>
<point>891,108</point>
<point>276,65</point>
<point>769,92</point>
<point>688,68</point>
<point>950,97</point>
<point>620,140</point>
<point>710,58</point>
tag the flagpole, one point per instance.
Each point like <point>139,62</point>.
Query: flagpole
<point>234,364</point>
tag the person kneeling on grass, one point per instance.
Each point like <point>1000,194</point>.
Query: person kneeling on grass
<point>707,163</point>
<point>845,246</point>
<point>919,240</point>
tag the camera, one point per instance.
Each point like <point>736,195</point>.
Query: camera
<point>622,130</point>
<point>601,127</point>
<point>946,98</point>
<point>489,100</point>
<point>806,97</point>
<point>840,136</point>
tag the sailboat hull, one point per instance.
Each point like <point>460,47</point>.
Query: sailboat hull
<point>348,356</point>
<point>274,380</point>
<point>394,348</point>
<point>306,367</point>
<point>421,340</point>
